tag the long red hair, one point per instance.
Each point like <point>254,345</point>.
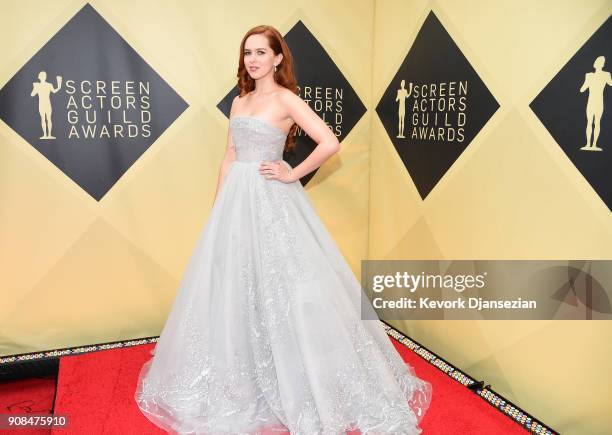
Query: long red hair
<point>284,75</point>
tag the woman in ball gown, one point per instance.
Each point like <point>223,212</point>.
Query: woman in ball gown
<point>266,334</point>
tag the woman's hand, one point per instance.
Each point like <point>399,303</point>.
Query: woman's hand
<point>276,171</point>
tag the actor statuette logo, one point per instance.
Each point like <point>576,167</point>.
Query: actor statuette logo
<point>402,96</point>
<point>572,107</point>
<point>595,83</point>
<point>43,89</point>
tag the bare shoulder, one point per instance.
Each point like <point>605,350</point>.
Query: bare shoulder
<point>235,104</point>
<point>288,98</point>
<point>292,104</point>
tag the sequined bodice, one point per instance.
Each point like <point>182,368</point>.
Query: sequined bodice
<point>256,140</point>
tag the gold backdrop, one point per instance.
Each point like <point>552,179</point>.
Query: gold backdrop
<point>512,194</point>
<point>77,271</point>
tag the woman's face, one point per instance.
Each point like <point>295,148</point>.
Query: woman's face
<point>259,59</point>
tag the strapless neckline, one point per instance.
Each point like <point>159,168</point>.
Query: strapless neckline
<point>261,121</point>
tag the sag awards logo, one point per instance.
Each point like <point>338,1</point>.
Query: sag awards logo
<point>438,111</point>
<point>97,110</point>
<point>434,106</point>
<point>322,85</point>
<point>575,109</point>
<point>89,103</point>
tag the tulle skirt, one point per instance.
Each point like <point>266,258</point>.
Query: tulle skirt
<point>265,334</point>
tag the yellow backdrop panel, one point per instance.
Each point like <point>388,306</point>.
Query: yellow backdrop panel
<point>512,194</point>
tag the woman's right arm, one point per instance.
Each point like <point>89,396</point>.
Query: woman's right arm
<point>229,157</point>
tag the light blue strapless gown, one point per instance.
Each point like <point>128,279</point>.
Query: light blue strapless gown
<point>265,334</point>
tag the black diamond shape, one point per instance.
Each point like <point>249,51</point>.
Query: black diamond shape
<point>100,74</point>
<point>316,72</point>
<point>562,107</point>
<point>429,150</point>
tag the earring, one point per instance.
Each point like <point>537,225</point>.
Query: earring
<point>274,68</point>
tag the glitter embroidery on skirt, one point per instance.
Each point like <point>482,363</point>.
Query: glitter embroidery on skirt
<point>265,333</point>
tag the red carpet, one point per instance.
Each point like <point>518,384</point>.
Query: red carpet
<point>27,396</point>
<point>454,409</point>
<point>96,391</point>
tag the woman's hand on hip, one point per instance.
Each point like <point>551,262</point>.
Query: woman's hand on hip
<point>276,171</point>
